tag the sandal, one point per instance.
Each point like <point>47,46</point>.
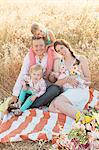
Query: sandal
<point>15,105</point>
<point>17,112</point>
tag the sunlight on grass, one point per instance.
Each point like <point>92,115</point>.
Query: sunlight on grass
<point>76,21</point>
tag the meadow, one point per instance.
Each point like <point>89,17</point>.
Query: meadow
<point>75,21</point>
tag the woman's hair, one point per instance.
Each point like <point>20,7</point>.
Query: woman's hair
<point>68,46</point>
<point>35,68</point>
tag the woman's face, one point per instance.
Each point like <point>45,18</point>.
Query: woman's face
<point>39,47</point>
<point>61,49</point>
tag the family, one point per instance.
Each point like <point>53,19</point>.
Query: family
<point>51,75</point>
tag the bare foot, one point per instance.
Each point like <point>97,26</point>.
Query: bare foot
<point>97,105</point>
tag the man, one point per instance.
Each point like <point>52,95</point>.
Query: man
<point>38,54</point>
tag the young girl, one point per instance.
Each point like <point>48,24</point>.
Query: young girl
<point>39,30</point>
<point>33,85</point>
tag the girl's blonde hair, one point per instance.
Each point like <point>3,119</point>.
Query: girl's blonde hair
<point>35,68</point>
<point>35,26</point>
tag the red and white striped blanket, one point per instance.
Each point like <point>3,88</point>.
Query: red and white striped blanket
<point>34,124</point>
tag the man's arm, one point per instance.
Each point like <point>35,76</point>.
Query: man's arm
<point>24,71</point>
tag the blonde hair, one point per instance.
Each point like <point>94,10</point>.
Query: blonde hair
<point>35,68</point>
<point>35,26</point>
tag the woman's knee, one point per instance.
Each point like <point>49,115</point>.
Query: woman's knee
<point>60,100</point>
<point>57,101</point>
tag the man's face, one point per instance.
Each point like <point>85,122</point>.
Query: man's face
<point>39,47</point>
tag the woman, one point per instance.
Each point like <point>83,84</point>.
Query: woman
<point>72,99</point>
<point>38,54</point>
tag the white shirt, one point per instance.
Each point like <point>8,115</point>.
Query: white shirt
<point>25,70</point>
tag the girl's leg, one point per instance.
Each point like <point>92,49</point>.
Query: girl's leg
<point>26,104</point>
<point>20,101</point>
<point>64,106</point>
<point>22,95</point>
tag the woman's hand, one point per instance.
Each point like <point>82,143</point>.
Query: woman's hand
<point>73,81</point>
<point>69,79</point>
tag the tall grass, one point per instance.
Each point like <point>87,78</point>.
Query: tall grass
<point>77,24</point>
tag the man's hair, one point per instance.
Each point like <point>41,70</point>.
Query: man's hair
<point>35,68</point>
<point>38,38</point>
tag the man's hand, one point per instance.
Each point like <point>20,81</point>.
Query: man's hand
<point>24,86</point>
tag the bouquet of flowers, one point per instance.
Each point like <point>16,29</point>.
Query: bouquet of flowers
<point>84,133</point>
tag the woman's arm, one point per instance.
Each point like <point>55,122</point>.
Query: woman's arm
<point>85,69</point>
<point>71,80</point>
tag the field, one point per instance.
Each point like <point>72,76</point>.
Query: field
<point>77,21</point>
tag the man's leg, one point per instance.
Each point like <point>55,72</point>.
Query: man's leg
<point>52,92</point>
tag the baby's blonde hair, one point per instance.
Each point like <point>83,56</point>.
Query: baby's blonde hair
<point>35,68</point>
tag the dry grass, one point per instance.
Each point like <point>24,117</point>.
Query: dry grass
<point>77,23</point>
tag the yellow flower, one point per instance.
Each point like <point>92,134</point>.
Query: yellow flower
<point>78,116</point>
<point>87,119</point>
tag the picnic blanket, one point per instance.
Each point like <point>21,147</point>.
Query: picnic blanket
<point>36,124</point>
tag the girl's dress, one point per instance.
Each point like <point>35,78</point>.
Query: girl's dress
<point>36,89</point>
<point>48,41</point>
